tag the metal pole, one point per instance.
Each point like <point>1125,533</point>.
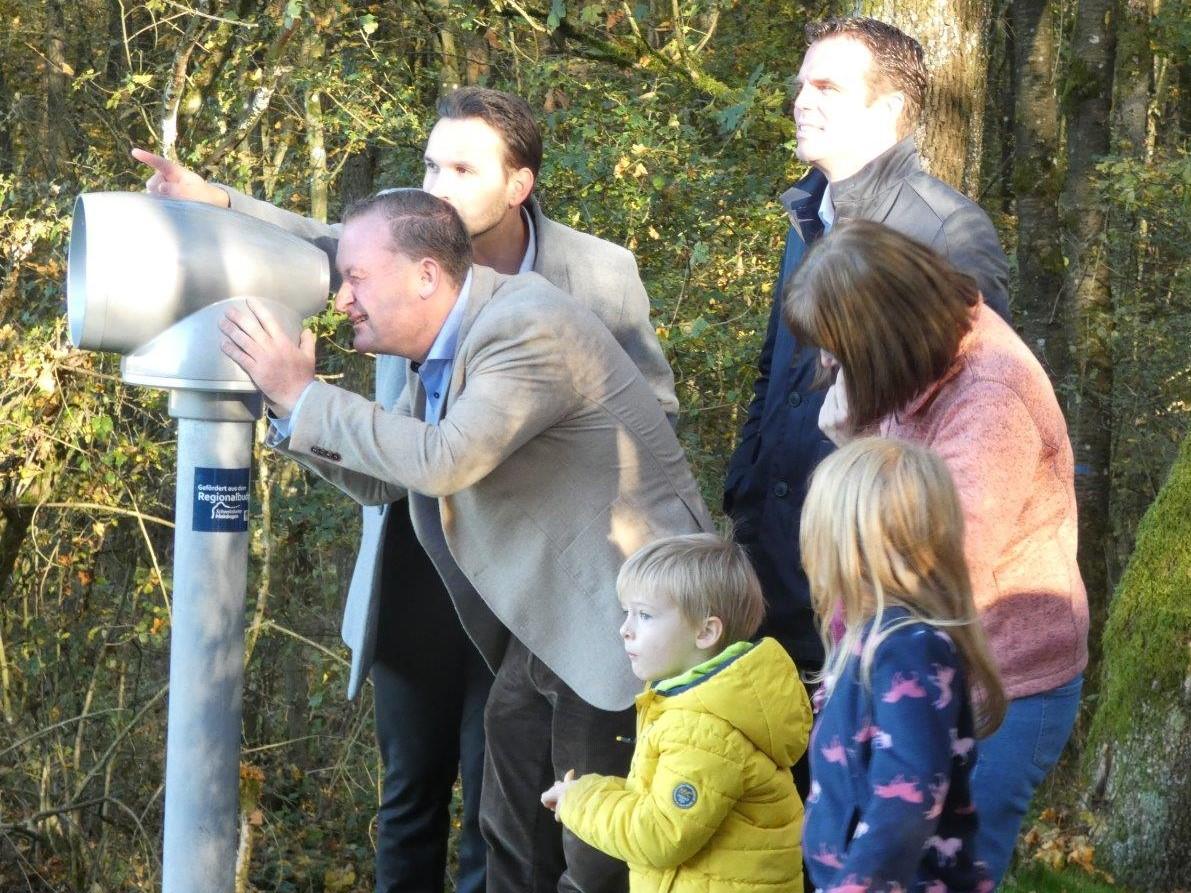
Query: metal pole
<point>207,640</point>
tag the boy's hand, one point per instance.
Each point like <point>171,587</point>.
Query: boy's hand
<point>552,798</point>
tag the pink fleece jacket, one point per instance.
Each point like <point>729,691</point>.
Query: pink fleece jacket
<point>994,420</point>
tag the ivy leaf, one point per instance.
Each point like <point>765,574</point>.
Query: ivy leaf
<point>293,10</point>
<point>558,12</point>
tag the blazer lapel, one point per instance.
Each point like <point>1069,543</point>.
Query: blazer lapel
<point>484,282</point>
<point>549,263</point>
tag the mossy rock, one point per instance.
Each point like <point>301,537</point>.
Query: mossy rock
<point>1140,740</point>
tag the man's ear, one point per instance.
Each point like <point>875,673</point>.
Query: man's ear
<point>710,633</point>
<point>895,101</point>
<point>430,274</point>
<point>521,183</point>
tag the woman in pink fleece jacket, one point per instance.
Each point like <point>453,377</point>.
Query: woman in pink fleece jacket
<point>916,355</point>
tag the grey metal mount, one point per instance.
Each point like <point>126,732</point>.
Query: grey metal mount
<point>150,279</point>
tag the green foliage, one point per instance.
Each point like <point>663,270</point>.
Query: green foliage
<point>1035,878</point>
<point>1150,254</point>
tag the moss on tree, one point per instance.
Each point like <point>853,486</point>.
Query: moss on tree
<point>1140,740</point>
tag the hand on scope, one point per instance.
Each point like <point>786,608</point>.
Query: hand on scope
<point>172,180</point>
<point>834,417</point>
<point>280,369</point>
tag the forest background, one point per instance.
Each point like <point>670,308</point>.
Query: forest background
<point>667,130</point>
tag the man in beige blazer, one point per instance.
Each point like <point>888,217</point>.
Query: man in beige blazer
<point>482,157</point>
<point>550,462</point>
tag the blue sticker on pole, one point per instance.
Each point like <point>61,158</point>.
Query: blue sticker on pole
<point>221,500</point>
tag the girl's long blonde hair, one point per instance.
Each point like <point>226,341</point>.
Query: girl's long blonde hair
<point>882,526</point>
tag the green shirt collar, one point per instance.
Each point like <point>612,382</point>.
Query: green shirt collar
<point>707,668</point>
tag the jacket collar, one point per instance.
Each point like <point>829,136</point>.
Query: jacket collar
<point>802,200</point>
<point>867,190</point>
<point>549,263</point>
<point>484,282</point>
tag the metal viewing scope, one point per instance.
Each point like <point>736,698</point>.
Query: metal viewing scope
<point>150,279</point>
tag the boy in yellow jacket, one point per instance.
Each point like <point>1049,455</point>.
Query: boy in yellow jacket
<point>709,804</point>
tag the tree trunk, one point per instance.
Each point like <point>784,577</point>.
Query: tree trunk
<point>316,148</point>
<point>1132,486</point>
<point>1038,308</point>
<point>955,35</point>
<point>1142,725</point>
<point>57,85</point>
<point>1086,295</point>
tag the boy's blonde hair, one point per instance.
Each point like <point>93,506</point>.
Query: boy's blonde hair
<point>705,575</point>
<point>882,525</point>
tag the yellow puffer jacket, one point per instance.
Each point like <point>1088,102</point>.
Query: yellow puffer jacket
<point>709,805</point>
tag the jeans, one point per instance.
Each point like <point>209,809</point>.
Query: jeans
<point>1012,762</point>
<point>430,685</point>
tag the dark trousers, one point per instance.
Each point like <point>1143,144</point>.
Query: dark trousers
<point>430,684</point>
<point>802,769</point>
<point>537,729</point>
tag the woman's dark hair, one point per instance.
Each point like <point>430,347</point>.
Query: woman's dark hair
<point>891,311</point>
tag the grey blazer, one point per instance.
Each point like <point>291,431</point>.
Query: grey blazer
<point>552,463</point>
<point>598,274</point>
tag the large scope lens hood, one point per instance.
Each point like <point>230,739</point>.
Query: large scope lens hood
<point>150,278</point>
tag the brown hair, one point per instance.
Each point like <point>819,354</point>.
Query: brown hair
<point>507,114</point>
<point>705,576</point>
<point>882,526</point>
<point>891,310</point>
<point>421,225</point>
<point>898,61</point>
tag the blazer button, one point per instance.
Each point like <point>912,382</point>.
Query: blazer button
<point>795,398</point>
<point>780,489</point>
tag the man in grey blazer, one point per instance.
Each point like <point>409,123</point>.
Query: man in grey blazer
<point>483,157</point>
<point>535,459</point>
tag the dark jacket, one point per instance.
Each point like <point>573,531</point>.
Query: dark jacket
<point>781,443</point>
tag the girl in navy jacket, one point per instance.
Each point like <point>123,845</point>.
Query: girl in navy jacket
<point>894,742</point>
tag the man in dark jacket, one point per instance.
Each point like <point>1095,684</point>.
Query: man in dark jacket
<point>860,93</point>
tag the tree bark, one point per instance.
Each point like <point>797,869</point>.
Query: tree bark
<point>1143,713</point>
<point>57,85</point>
<point>171,99</point>
<point>316,147</point>
<point>955,34</point>
<point>1087,298</point>
<point>1131,488</point>
<point>1038,307</point>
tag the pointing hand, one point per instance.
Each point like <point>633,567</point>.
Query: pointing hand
<point>172,180</point>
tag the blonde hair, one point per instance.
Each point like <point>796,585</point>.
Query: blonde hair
<point>705,575</point>
<point>882,526</point>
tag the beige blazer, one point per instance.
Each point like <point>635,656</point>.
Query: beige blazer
<point>598,274</point>
<point>553,462</point>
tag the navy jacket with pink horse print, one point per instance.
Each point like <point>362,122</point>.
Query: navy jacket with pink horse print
<point>890,808</point>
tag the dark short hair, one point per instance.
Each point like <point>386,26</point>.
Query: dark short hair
<point>507,114</point>
<point>898,61</point>
<point>891,310</point>
<point>421,225</point>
